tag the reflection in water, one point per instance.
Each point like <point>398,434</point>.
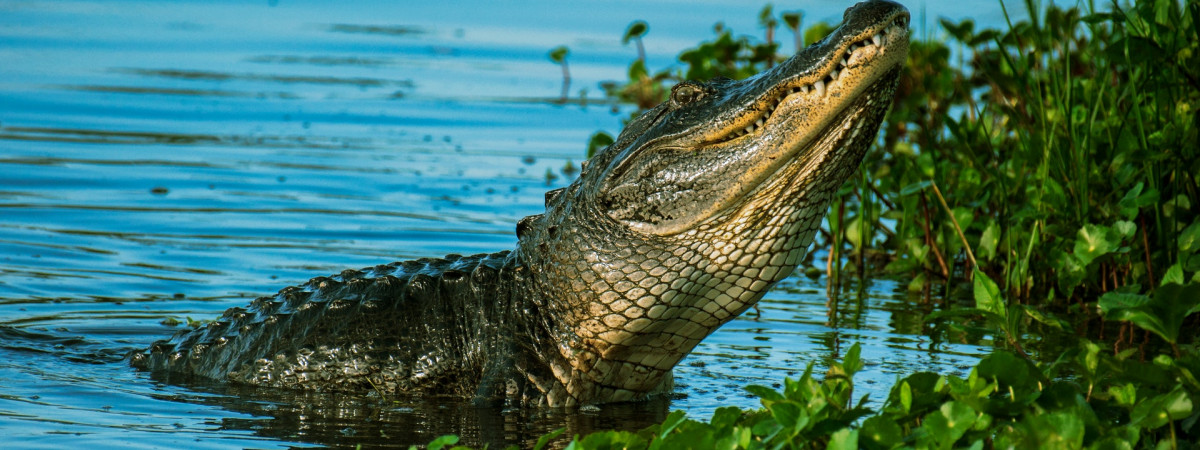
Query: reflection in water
<point>348,420</point>
<point>161,162</point>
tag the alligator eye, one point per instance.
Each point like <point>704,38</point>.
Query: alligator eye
<point>686,92</point>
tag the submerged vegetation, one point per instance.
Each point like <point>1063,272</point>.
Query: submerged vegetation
<point>1050,169</point>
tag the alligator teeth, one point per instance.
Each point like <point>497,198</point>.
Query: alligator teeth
<point>878,39</point>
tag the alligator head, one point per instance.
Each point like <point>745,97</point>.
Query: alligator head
<point>701,205</point>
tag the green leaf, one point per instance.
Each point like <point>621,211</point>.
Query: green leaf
<point>558,54</point>
<point>637,70</point>
<point>443,441</point>
<point>987,295</point>
<point>725,416</point>
<point>843,439</point>
<point>1132,308</point>
<point>766,16</point>
<point>673,420</point>
<point>961,31</point>
<point>1134,200</point>
<point>988,241</point>
<point>925,163</point>
<point>1045,319</point>
<point>1174,275</point>
<point>611,439</point>
<point>1090,358</point>
<point>915,187</point>
<point>1062,429</point>
<point>792,19</point>
<point>789,415</point>
<point>1094,241</point>
<point>882,430</point>
<point>906,396</point>
<point>1159,410</point>
<point>1123,395</point>
<point>765,393</point>
<point>1125,228</point>
<point>1008,369</point>
<point>851,362</point>
<point>1098,18</point>
<point>965,217</point>
<point>1180,300</point>
<point>543,441</point>
<point>636,30</point>
<point>1162,314</point>
<point>1189,239</point>
<point>1070,272</point>
<point>854,232</point>
<point>1162,12</point>
<point>949,422</point>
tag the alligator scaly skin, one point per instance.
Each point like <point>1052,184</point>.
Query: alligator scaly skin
<point>699,207</point>
<point>423,326</point>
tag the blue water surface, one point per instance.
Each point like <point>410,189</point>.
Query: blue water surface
<point>163,161</point>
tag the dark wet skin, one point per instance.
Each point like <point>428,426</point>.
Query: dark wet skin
<point>700,206</point>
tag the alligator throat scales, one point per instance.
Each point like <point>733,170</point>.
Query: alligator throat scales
<point>699,207</point>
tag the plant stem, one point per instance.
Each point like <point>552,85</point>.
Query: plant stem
<point>966,246</point>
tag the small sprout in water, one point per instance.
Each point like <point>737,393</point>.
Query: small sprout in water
<point>559,56</point>
<point>636,30</point>
<point>171,322</point>
<point>793,19</point>
<point>159,190</point>
<point>766,18</point>
<point>550,176</point>
<point>569,169</point>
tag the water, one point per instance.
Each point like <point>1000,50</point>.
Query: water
<point>161,161</point>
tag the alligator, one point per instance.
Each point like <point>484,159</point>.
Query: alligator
<point>700,205</point>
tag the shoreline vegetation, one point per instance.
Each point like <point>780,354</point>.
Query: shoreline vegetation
<point>1048,171</point>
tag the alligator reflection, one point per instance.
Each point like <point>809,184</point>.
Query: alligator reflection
<point>346,420</point>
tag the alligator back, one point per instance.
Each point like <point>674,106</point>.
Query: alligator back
<point>686,220</point>
<point>415,326</point>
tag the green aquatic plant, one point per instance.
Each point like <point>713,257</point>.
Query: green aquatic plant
<point>1052,168</point>
<point>1006,401</point>
<point>559,56</point>
<point>634,33</point>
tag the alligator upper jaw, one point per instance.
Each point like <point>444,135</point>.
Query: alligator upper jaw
<point>850,61</point>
